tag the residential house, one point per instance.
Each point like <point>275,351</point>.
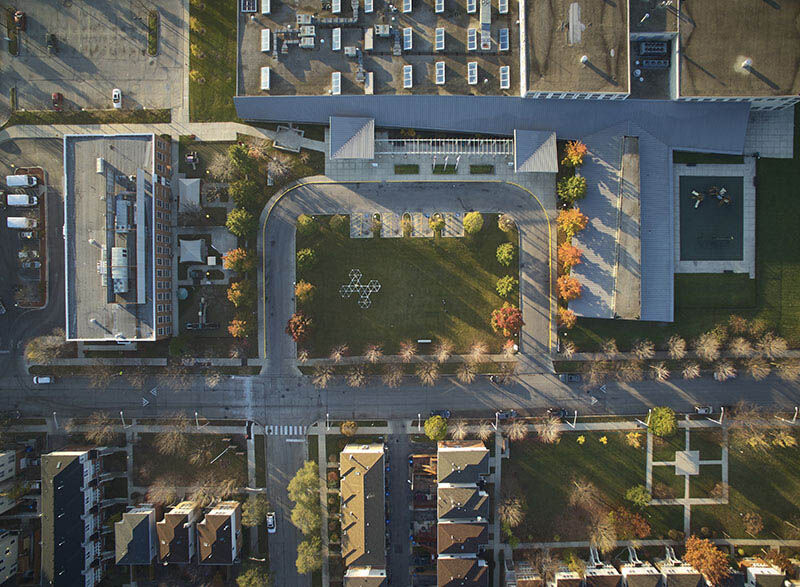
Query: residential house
<point>177,534</point>
<point>220,534</point>
<point>135,536</point>
<point>462,572</point>
<point>9,551</point>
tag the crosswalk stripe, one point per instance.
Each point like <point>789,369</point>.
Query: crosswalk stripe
<point>286,430</point>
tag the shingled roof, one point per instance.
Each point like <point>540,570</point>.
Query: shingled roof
<point>462,503</point>
<point>459,538</point>
<point>133,537</point>
<point>462,462</point>
<point>462,572</point>
<point>351,137</point>
<point>216,532</point>
<point>173,534</point>
<point>535,150</point>
<point>363,505</point>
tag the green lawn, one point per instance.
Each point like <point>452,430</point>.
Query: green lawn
<point>705,158</point>
<point>703,301</point>
<point>431,288</point>
<point>702,484</point>
<point>206,152</point>
<point>140,116</point>
<point>544,475</point>
<point>212,63</point>
<point>765,484</point>
<point>664,448</point>
<point>708,442</point>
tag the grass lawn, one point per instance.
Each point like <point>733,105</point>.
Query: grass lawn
<point>705,158</point>
<point>430,288</point>
<point>664,448</point>
<point>140,116</point>
<point>708,442</point>
<point>702,484</point>
<point>777,271</point>
<point>212,64</point>
<point>765,484</point>
<point>408,169</point>
<point>261,463</point>
<point>544,475</point>
<point>666,484</point>
<point>205,151</point>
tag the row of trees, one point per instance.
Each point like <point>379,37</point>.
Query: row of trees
<point>570,221</point>
<point>548,430</point>
<point>304,491</point>
<point>243,292</point>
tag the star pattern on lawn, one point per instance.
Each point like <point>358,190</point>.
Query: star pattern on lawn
<point>364,291</point>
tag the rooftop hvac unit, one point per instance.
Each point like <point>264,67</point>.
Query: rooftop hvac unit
<point>440,73</point>
<point>265,78</point>
<point>472,73</point>
<point>336,83</point>
<point>505,77</point>
<point>439,6</point>
<point>408,77</point>
<point>100,165</point>
<point>248,5</point>
<point>472,39</point>
<point>502,6</point>
<point>306,42</point>
<point>265,40</point>
<point>266,6</point>
<point>368,6</point>
<point>472,6</point>
<point>369,84</point>
<point>383,30</point>
<point>308,31</point>
<point>653,48</point>
<point>504,43</point>
<point>336,39</point>
<point>336,6</point>
<point>407,6</point>
<point>440,39</point>
<point>349,51</point>
<point>303,19</point>
<point>408,39</point>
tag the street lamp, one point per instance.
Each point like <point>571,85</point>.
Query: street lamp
<point>122,417</point>
<point>55,420</point>
<point>327,422</point>
<point>419,422</point>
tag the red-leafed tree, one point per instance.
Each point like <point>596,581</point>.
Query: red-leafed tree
<point>239,328</point>
<point>239,260</point>
<point>566,318</point>
<point>569,288</point>
<point>708,559</point>
<point>299,326</point>
<point>573,153</point>
<point>630,525</point>
<point>571,221</point>
<point>507,320</point>
<point>569,255</point>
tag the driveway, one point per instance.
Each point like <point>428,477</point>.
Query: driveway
<point>102,45</point>
<point>278,249</point>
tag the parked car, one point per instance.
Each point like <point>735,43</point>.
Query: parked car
<point>31,264</point>
<point>271,526</point>
<point>557,412</point>
<point>443,413</point>
<point>210,325</point>
<point>704,410</point>
<point>52,43</point>
<point>39,380</point>
<point>718,378</point>
<point>28,254</point>
<point>58,101</point>
<point>28,234</point>
<point>24,200</point>
<point>116,98</point>
<point>507,415</point>
<point>570,377</point>
<point>193,326</point>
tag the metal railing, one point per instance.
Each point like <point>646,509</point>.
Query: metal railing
<point>501,147</point>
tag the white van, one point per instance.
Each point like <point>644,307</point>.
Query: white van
<point>21,222</point>
<point>21,200</point>
<point>21,181</point>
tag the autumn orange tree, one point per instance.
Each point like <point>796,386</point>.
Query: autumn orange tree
<point>629,525</point>
<point>239,260</point>
<point>571,222</point>
<point>507,320</point>
<point>299,326</point>
<point>568,256</point>
<point>303,291</point>
<point>242,293</point>
<point>708,559</point>
<point>569,288</point>
<point>566,318</point>
<point>573,153</point>
<point>239,328</point>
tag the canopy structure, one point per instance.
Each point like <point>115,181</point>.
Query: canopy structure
<point>188,193</point>
<point>193,251</point>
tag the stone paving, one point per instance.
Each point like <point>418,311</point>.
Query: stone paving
<point>420,225</point>
<point>390,225</point>
<point>360,225</point>
<point>770,133</point>
<point>453,224</point>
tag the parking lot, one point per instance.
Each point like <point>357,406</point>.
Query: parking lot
<point>100,45</point>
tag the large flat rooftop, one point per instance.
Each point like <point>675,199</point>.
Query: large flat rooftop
<point>92,201</point>
<point>560,32</point>
<point>308,71</point>
<point>717,36</point>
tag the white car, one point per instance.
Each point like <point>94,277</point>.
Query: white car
<point>271,522</point>
<point>116,97</point>
<point>42,380</point>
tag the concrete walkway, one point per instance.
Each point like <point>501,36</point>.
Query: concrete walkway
<point>322,452</point>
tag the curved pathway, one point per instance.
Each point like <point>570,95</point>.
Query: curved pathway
<point>320,195</point>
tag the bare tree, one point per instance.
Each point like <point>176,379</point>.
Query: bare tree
<point>101,375</point>
<point>278,166</point>
<point>458,431</point>
<point>511,511</point>
<point>219,168</point>
<point>173,440</point>
<point>549,430</point>
<point>162,491</point>
<point>428,373</point>
<point>783,438</point>
<point>202,451</point>
<point>584,494</point>
<point>644,349</point>
<point>676,347</point>
<point>758,368</point>
<point>609,348</point>
<point>338,352</point>
<point>136,376</point>
<point>408,350</point>
<point>737,324</point>
<point>485,431</point>
<point>568,349</point>
<point>100,428</point>
<point>392,375</point>
<point>302,355</point>
<point>691,370</point>
<point>660,371</point>
<point>757,327</point>
<point>356,376</point>
<point>478,352</point>
<point>772,346</point>
<point>517,430</point>
<point>213,380</point>
<point>724,370</point>
<point>630,371</point>
<point>43,349</point>
<point>177,376</point>
<point>748,426</point>
<point>597,373</point>
<point>707,347</point>
<point>373,353</point>
<point>509,349</point>
<point>323,374</point>
<point>740,347</point>
<point>443,350</point>
<point>604,534</point>
<point>465,373</point>
<point>507,372</point>
<point>788,370</point>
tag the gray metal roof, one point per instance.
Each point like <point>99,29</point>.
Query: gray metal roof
<point>535,150</point>
<point>352,137</point>
<point>696,126</point>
